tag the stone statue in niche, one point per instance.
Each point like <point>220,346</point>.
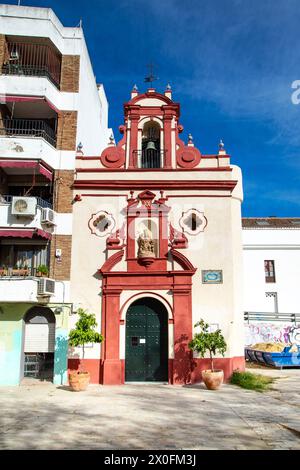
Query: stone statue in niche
<point>145,244</point>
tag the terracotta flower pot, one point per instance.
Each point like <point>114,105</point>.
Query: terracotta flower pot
<point>213,379</point>
<point>79,381</point>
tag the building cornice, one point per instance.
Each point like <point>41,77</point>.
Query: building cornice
<point>218,185</point>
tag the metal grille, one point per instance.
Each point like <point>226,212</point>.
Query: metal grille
<point>150,158</point>
<point>39,365</point>
<point>38,60</point>
<point>46,286</point>
<point>28,128</point>
<point>40,202</point>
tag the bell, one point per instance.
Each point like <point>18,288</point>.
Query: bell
<point>150,146</point>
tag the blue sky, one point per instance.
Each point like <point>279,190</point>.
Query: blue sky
<point>231,64</point>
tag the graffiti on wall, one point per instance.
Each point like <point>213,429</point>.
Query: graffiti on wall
<point>266,332</point>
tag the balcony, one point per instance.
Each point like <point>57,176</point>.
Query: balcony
<point>27,59</point>
<point>28,226</point>
<point>18,290</point>
<point>23,272</point>
<point>28,128</point>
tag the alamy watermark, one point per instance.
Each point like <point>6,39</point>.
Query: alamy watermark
<point>295,97</point>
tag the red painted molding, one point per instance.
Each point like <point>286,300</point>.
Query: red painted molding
<point>191,195</point>
<point>103,195</point>
<point>147,170</point>
<point>215,156</point>
<point>188,157</point>
<point>83,157</point>
<point>182,260</point>
<point>227,364</point>
<point>113,157</point>
<point>111,262</point>
<point>145,294</point>
<point>146,95</point>
<point>218,185</point>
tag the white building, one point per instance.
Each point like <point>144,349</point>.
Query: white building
<point>271,255</point>
<point>51,110</point>
<point>157,245</point>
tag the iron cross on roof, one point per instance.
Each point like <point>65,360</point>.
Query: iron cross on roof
<point>151,78</point>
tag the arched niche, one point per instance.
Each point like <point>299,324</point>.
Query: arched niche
<point>151,151</point>
<point>149,226</point>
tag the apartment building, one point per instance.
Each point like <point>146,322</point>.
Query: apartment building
<point>51,110</point>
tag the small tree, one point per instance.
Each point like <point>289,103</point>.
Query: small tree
<point>204,341</point>
<point>84,331</point>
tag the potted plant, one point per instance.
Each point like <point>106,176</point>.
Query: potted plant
<point>211,342</point>
<point>25,270</point>
<point>42,270</point>
<point>15,271</point>
<point>4,271</point>
<point>84,332</point>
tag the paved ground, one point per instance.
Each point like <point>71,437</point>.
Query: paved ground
<point>152,416</point>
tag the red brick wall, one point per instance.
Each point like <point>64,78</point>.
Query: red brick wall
<point>63,181</point>
<point>60,267</point>
<point>66,130</point>
<point>3,51</point>
<point>69,79</point>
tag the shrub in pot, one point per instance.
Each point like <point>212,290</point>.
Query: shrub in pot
<point>83,333</point>
<point>42,270</point>
<point>211,342</point>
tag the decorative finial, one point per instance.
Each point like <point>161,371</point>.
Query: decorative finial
<point>135,88</point>
<point>190,137</point>
<point>168,87</point>
<point>221,145</point>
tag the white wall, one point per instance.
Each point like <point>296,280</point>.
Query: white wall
<point>25,290</point>
<point>37,148</point>
<point>92,130</point>
<point>282,246</point>
<point>37,86</point>
<point>7,220</point>
<point>218,247</point>
<point>39,22</point>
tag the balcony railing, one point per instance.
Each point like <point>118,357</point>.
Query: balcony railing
<point>40,202</point>
<point>39,60</point>
<point>28,128</point>
<point>272,316</point>
<point>150,158</point>
<point>9,271</point>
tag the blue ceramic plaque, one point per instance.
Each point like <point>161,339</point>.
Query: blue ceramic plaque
<point>212,276</point>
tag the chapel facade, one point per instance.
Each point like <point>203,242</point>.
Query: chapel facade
<point>157,245</point>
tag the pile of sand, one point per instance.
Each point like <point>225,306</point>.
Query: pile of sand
<point>273,347</point>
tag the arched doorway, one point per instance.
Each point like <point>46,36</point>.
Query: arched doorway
<point>39,343</point>
<point>146,353</point>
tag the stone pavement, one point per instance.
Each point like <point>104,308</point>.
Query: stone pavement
<point>152,416</point>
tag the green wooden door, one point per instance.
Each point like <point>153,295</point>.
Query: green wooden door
<point>146,357</point>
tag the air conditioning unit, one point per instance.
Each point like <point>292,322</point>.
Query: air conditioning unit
<point>46,286</point>
<point>48,216</point>
<point>23,206</point>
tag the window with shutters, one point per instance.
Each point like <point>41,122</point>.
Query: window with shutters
<point>270,271</point>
